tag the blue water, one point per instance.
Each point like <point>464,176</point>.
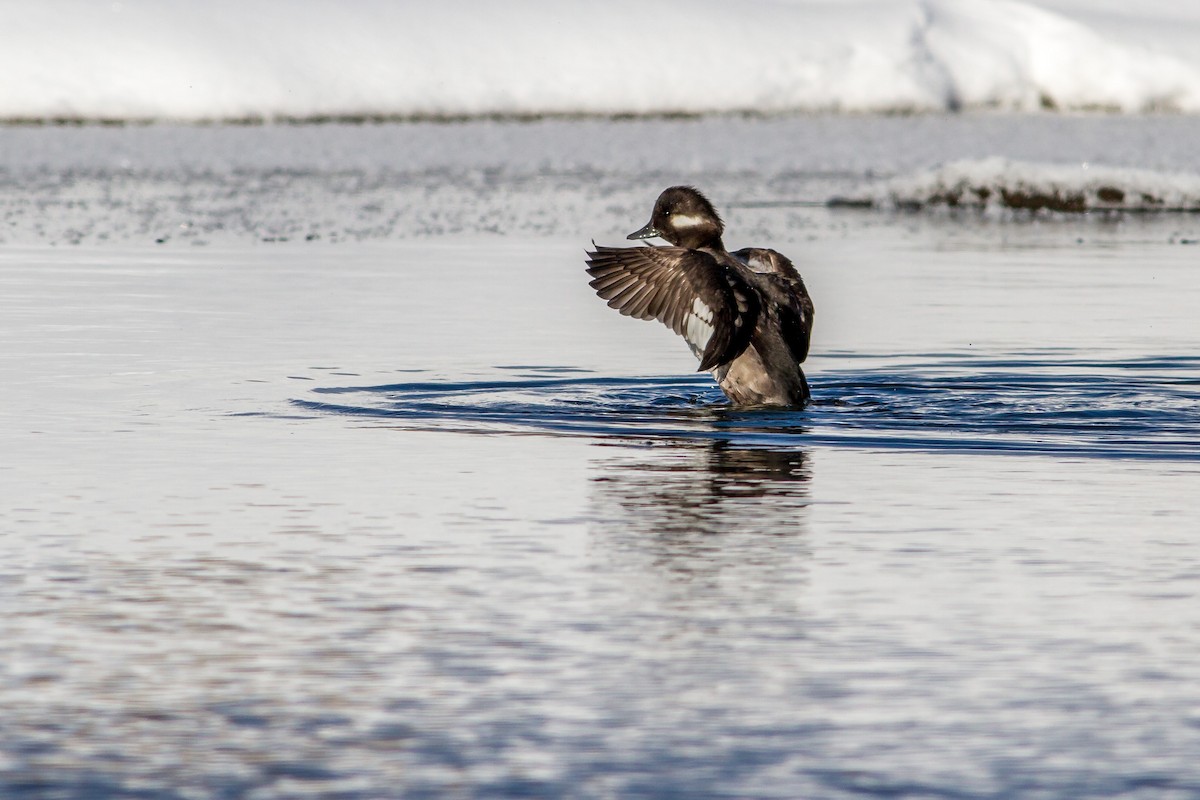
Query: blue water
<point>1144,408</point>
<point>405,511</point>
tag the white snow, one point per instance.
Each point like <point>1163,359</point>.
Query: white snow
<point>264,59</point>
<point>1002,184</point>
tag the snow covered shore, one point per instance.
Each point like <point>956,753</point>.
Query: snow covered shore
<point>274,59</point>
<point>1001,184</point>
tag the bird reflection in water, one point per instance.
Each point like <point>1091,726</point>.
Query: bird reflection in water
<point>705,487</point>
<point>705,513</point>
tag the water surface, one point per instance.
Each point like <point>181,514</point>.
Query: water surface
<point>423,518</point>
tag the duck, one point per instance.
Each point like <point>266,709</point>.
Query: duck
<point>746,315</point>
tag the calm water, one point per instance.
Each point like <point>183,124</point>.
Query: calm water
<point>425,519</point>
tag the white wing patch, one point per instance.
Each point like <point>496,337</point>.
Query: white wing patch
<point>699,326</point>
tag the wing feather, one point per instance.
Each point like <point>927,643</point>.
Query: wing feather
<point>708,304</point>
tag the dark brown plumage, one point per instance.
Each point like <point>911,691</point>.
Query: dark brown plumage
<point>746,315</point>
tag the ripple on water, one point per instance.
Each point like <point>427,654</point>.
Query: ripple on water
<point>1147,408</point>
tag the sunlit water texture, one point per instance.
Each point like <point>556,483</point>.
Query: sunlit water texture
<point>406,511</point>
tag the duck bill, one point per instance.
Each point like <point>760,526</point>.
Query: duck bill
<point>648,232</point>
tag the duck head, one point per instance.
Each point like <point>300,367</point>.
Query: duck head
<point>685,218</point>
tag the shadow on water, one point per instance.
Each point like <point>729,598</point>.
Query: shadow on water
<point>1146,408</point>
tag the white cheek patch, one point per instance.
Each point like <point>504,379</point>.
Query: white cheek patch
<point>686,221</point>
<point>699,325</point>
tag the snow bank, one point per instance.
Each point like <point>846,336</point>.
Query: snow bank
<point>1000,184</point>
<point>263,59</point>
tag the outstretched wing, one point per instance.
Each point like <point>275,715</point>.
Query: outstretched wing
<point>709,305</point>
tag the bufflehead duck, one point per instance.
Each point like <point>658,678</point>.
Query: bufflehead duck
<point>746,314</point>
